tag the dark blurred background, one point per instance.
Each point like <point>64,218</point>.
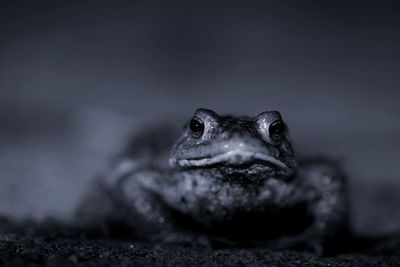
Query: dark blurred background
<point>77,76</point>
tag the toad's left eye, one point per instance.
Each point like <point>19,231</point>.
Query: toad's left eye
<point>276,130</point>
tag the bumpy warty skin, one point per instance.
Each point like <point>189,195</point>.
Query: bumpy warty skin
<point>231,179</point>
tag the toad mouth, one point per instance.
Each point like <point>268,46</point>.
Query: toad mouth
<point>234,157</point>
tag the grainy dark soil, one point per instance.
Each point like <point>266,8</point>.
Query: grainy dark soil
<point>21,245</point>
<point>63,252</point>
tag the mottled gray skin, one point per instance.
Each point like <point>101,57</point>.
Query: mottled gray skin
<point>231,183</point>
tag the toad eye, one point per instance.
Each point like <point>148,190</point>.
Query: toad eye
<point>197,127</point>
<point>276,130</point>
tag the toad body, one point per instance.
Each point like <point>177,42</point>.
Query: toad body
<point>232,180</point>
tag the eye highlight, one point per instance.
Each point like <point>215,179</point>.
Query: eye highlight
<point>276,129</point>
<point>197,127</point>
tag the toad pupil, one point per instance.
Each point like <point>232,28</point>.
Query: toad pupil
<point>197,127</point>
<point>276,129</point>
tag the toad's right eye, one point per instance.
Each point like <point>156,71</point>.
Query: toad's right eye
<point>197,127</point>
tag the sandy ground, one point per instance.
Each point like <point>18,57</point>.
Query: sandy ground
<point>64,252</point>
<point>53,243</point>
